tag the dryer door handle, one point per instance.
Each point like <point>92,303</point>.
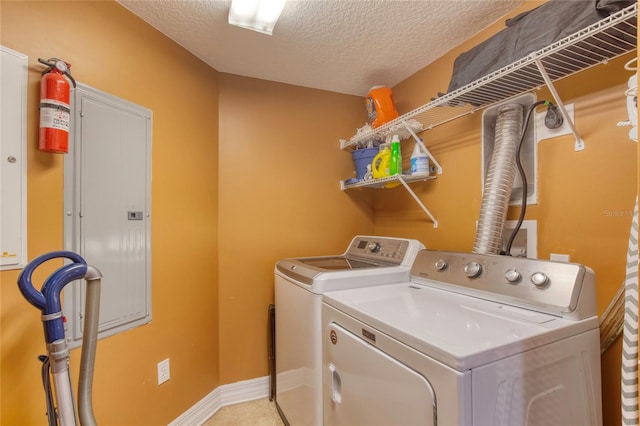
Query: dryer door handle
<point>336,385</point>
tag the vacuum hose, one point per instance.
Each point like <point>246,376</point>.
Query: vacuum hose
<point>499,180</point>
<point>89,344</point>
<point>47,300</point>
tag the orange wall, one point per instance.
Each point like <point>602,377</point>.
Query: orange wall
<point>280,164</point>
<point>112,50</point>
<point>229,198</point>
<point>258,174</point>
<point>585,198</point>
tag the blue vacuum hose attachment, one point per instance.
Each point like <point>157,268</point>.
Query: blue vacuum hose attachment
<point>47,300</point>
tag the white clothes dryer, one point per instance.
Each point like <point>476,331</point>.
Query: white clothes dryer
<point>299,285</point>
<point>470,340</point>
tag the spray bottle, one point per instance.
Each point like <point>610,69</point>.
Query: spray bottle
<point>419,161</point>
<point>395,162</point>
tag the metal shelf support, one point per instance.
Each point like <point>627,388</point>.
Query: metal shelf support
<point>394,180</point>
<point>423,147</point>
<point>579,145</point>
<point>415,197</point>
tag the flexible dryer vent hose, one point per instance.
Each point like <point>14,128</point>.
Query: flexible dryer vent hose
<point>499,180</point>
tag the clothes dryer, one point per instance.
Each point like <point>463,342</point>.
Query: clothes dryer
<point>299,285</point>
<point>470,340</point>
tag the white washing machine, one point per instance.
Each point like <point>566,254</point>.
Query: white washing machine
<point>469,340</point>
<point>299,285</point>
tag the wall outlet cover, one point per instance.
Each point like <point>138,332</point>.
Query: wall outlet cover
<point>164,372</point>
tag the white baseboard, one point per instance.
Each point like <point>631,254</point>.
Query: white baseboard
<point>233,393</point>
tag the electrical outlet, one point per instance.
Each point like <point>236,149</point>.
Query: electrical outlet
<point>163,371</point>
<point>559,257</point>
<point>543,133</point>
<point>525,244</point>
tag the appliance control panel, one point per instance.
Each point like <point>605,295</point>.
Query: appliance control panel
<point>390,250</point>
<point>553,287</point>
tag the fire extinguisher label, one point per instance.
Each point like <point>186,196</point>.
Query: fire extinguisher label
<point>54,114</point>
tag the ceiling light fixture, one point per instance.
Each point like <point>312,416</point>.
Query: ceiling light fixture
<point>256,15</point>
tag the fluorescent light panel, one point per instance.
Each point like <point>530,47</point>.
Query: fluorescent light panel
<point>256,15</point>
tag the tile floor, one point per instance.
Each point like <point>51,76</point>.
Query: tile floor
<point>260,412</point>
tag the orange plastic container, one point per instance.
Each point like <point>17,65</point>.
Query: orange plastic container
<point>380,106</point>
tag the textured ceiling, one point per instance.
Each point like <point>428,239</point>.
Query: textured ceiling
<point>343,46</point>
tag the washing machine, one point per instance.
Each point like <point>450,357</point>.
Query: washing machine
<point>299,285</point>
<point>469,340</point>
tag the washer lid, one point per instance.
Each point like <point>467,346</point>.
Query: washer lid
<point>366,257</point>
<point>339,263</point>
<point>364,252</point>
<point>306,270</point>
<point>457,330</point>
<point>319,280</point>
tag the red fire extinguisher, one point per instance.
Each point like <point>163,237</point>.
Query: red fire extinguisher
<point>55,109</point>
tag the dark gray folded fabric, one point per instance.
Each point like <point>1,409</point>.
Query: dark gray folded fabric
<point>528,32</point>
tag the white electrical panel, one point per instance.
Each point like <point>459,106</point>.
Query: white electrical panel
<point>108,208</point>
<point>13,161</point>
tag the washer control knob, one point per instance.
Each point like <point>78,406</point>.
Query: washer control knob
<point>472,269</point>
<point>373,247</point>
<point>441,265</point>
<point>512,275</point>
<point>539,279</point>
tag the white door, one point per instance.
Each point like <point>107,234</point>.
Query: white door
<point>365,386</point>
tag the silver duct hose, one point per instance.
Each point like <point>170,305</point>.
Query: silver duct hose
<point>499,180</point>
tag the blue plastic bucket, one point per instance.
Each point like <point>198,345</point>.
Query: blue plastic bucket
<point>361,158</point>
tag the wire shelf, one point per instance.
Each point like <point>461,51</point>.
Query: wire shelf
<point>596,44</point>
<point>384,182</point>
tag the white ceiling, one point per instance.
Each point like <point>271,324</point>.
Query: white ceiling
<point>343,46</point>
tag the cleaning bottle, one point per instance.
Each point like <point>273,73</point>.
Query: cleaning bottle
<point>380,106</point>
<point>395,162</point>
<point>380,163</point>
<point>419,161</point>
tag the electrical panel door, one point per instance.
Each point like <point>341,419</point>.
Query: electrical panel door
<point>13,159</point>
<point>108,208</point>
